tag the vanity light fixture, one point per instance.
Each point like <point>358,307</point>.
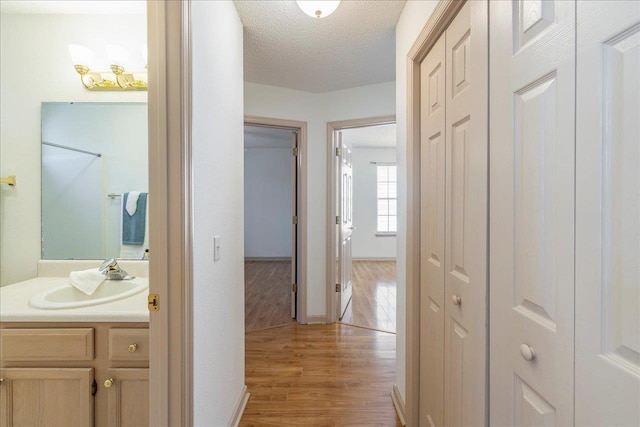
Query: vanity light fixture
<point>117,78</point>
<point>318,8</point>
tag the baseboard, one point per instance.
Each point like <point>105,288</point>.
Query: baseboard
<point>398,404</point>
<point>267,259</point>
<point>314,320</point>
<point>239,409</point>
<point>373,259</point>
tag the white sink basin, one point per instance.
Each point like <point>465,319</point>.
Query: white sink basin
<point>66,296</point>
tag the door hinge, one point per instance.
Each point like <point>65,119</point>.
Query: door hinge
<point>94,388</point>
<point>338,151</point>
<point>295,219</point>
<point>338,287</point>
<point>337,219</point>
<point>294,287</point>
<point>154,302</point>
<point>295,151</point>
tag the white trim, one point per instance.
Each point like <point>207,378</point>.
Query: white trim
<point>239,409</point>
<point>373,259</point>
<point>316,319</point>
<point>398,404</point>
<point>331,255</point>
<point>170,269</point>
<point>383,234</point>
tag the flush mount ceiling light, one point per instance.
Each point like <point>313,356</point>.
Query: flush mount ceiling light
<point>318,8</point>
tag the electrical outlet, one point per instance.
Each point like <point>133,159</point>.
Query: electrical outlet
<point>216,248</point>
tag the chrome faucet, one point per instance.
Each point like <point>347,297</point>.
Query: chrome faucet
<point>112,270</point>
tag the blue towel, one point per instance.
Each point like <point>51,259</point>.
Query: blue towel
<point>133,225</point>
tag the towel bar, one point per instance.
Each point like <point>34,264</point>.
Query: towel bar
<point>114,196</point>
<point>11,180</point>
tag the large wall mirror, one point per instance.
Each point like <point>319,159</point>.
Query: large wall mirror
<point>94,161</point>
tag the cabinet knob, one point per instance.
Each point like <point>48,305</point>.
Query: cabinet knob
<point>108,383</point>
<point>133,348</point>
<point>456,300</point>
<point>1,381</point>
<point>527,352</point>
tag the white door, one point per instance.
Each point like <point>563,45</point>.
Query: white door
<point>608,214</point>
<point>532,84</point>
<point>345,194</point>
<point>432,234</point>
<point>294,222</point>
<point>465,280</point>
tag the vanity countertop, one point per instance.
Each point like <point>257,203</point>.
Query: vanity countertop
<point>14,305</point>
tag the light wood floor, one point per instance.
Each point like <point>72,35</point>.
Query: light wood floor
<point>373,304</point>
<point>267,293</point>
<point>320,375</point>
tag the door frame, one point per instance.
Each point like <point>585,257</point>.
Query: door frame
<point>438,22</point>
<point>332,127</point>
<point>171,213</point>
<point>301,258</point>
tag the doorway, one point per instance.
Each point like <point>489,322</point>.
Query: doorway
<point>273,221</point>
<point>362,223</point>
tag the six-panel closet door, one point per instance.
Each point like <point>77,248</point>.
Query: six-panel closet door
<point>454,78</point>
<point>532,123</point>
<point>432,235</point>
<point>607,343</point>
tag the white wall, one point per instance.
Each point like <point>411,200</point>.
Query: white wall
<point>317,110</point>
<point>217,132</point>
<point>366,244</point>
<point>35,67</point>
<point>268,197</point>
<point>415,15</point>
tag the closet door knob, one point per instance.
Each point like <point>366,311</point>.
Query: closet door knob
<point>456,300</point>
<point>527,352</point>
<point>133,348</point>
<point>108,383</point>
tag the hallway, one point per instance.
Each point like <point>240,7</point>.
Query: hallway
<point>320,375</point>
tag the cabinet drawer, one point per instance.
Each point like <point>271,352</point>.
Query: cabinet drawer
<point>22,345</point>
<point>128,344</point>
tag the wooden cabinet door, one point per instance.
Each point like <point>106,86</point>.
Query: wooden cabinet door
<point>128,397</point>
<point>466,192</point>
<point>607,214</point>
<point>47,397</point>
<point>532,103</point>
<point>432,231</point>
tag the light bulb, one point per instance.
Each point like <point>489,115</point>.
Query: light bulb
<point>117,55</point>
<point>80,55</point>
<point>318,8</point>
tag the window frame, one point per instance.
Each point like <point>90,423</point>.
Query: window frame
<point>379,165</point>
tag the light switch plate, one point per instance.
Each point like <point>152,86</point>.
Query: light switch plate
<point>216,248</point>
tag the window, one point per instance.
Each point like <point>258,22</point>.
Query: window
<point>387,199</point>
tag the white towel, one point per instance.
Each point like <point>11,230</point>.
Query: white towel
<point>132,202</point>
<point>86,281</point>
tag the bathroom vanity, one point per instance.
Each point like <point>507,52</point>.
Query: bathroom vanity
<point>86,366</point>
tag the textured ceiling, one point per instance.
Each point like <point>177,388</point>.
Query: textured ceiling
<point>383,136</point>
<point>97,7</point>
<point>355,46</point>
<point>264,137</point>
